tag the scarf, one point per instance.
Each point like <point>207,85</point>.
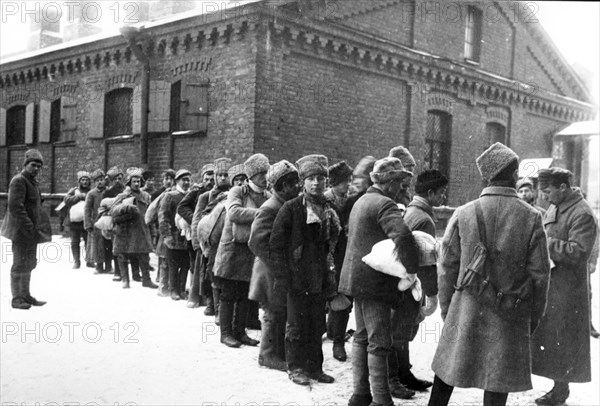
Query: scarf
<point>255,188</point>
<point>180,189</point>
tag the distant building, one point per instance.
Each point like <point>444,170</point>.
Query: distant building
<point>342,78</point>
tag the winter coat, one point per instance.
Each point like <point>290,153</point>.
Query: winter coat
<point>234,260</point>
<point>95,242</point>
<point>167,210</point>
<point>419,216</point>
<point>25,219</point>
<point>261,283</point>
<point>302,254</point>
<point>477,347</point>
<point>374,218</point>
<point>340,249</point>
<point>561,344</point>
<point>133,235</point>
<point>186,210</point>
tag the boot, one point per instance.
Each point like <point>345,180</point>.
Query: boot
<point>76,256</point>
<point>405,376</point>
<point>267,355</point>
<point>252,321</point>
<point>99,269</point>
<point>124,272</point>
<point>240,317</point>
<point>299,377</point>
<point>194,297</point>
<point>557,396</point>
<point>20,303</point>
<point>378,379</point>
<point>25,283</point>
<point>135,269</point>
<point>360,400</point>
<point>147,281</point>
<point>182,281</point>
<point>338,322</point>
<point>16,283</point>
<point>216,296</point>
<point>593,331</point>
<point>226,321</point>
<point>210,306</point>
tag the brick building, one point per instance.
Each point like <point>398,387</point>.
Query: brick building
<point>342,78</point>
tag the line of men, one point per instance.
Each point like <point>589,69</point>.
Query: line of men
<point>292,238</point>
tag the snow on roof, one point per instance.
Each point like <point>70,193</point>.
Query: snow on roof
<point>528,168</point>
<point>581,128</point>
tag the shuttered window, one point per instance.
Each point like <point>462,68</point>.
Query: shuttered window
<point>191,111</point>
<point>438,141</point>
<point>15,125</point>
<point>55,121</point>
<point>118,112</point>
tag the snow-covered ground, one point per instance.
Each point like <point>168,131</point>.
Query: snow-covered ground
<point>97,344</point>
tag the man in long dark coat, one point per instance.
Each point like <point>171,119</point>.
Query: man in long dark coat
<point>561,345</point>
<point>26,225</point>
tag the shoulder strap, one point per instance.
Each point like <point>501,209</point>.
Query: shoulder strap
<point>480,223</point>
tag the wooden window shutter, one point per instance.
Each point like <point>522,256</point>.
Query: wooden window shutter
<point>68,118</point>
<point>160,103</point>
<point>194,109</point>
<point>136,105</point>
<point>29,117</point>
<point>44,120</point>
<point>96,116</point>
<point>2,127</point>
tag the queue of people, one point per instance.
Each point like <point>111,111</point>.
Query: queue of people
<point>511,278</point>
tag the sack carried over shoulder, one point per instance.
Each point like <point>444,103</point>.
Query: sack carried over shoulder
<point>76,212</point>
<point>210,228</point>
<point>476,282</point>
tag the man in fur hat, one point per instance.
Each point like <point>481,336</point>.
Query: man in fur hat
<point>515,259</point>
<point>302,243</point>
<point>234,260</point>
<point>340,175</point>
<point>114,182</point>
<point>186,210</point>
<point>561,344</point>
<point>26,225</point>
<point>237,175</point>
<point>178,259</point>
<point>526,192</point>
<point>132,241</point>
<point>375,217</point>
<point>283,176</point>
<point>361,180</point>
<point>205,261</point>
<point>75,203</point>
<point>95,249</point>
<point>409,163</point>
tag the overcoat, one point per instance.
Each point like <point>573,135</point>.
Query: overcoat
<point>561,344</point>
<point>25,220</point>
<point>374,218</point>
<point>186,210</point>
<point>131,236</point>
<point>95,242</point>
<point>234,260</point>
<point>302,253</point>
<point>261,283</point>
<point>477,348</point>
<point>167,210</point>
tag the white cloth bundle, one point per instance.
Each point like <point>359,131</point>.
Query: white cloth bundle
<point>184,227</point>
<point>382,259</point>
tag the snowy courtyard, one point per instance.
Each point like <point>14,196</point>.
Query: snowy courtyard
<point>95,343</point>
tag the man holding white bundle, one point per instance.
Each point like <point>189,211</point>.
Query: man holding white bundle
<point>375,217</point>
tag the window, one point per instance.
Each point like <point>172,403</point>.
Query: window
<point>438,141</point>
<point>473,34</point>
<point>495,133</point>
<point>175,113</point>
<point>55,121</point>
<point>15,125</point>
<point>118,112</point>
<point>189,105</point>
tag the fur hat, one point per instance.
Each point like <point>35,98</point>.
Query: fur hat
<point>147,174</point>
<point>494,159</point>
<point>33,155</point>
<point>113,172</point>
<point>279,170</point>
<point>181,173</point>
<point>256,164</point>
<point>83,174</point>
<point>236,170</point>
<point>98,173</point>
<point>553,175</point>
<point>339,173</point>
<point>403,155</point>
<point>170,173</point>
<point>207,168</point>
<point>524,182</point>
<point>133,172</point>
<point>388,169</point>
<point>222,165</point>
<point>310,165</point>
<point>430,179</point>
<point>364,167</point>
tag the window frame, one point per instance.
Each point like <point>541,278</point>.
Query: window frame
<point>113,114</point>
<point>473,34</point>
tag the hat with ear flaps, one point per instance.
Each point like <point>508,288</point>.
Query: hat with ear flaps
<point>133,172</point>
<point>279,170</point>
<point>388,169</point>
<point>257,163</point>
<point>311,165</point>
<point>404,155</point>
<point>222,165</point>
<point>236,170</point>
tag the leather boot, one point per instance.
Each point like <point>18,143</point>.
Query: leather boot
<point>252,321</point>
<point>182,282</point>
<point>123,266</point>
<point>25,283</point>
<point>147,281</point>
<point>267,355</point>
<point>226,320</point>
<point>210,306</point>
<point>18,301</point>
<point>76,256</point>
<point>557,396</point>
<point>135,269</point>
<point>378,379</point>
<point>360,375</point>
<point>339,322</point>
<point>405,376</point>
<point>240,317</point>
